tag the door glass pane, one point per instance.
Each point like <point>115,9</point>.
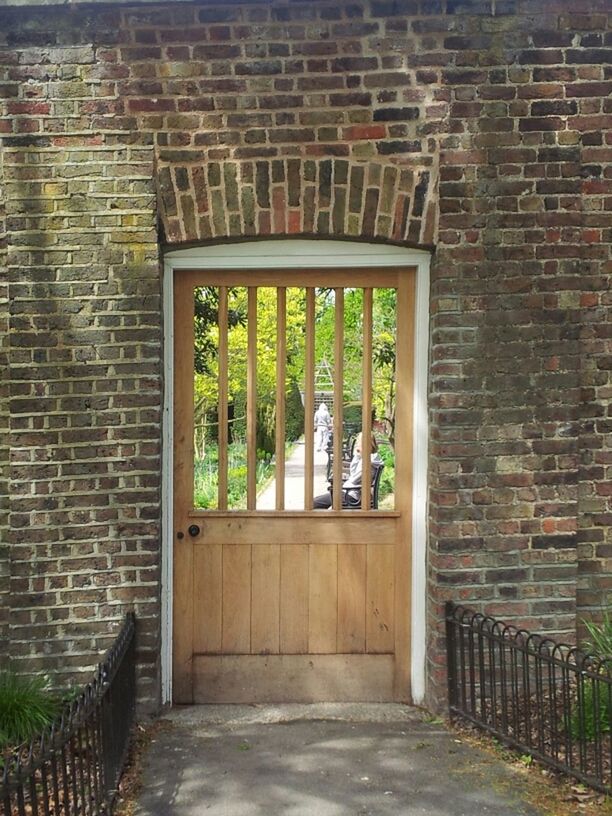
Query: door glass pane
<point>207,378</point>
<point>206,397</point>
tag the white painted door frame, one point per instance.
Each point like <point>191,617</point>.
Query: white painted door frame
<point>294,254</point>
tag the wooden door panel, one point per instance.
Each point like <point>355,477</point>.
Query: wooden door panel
<point>208,594</point>
<point>236,599</point>
<point>294,598</point>
<point>293,528</point>
<point>380,635</point>
<point>293,678</point>
<point>323,598</point>
<point>265,599</point>
<point>351,597</point>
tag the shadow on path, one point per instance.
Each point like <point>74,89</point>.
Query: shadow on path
<point>323,767</point>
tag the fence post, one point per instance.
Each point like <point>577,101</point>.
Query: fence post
<point>451,655</point>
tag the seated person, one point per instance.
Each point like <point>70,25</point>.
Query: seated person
<point>324,501</point>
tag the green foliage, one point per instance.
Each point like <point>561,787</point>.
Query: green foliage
<point>206,333</point>
<point>597,713</point>
<point>600,636</point>
<point>352,415</point>
<point>596,695</point>
<point>265,433</point>
<point>206,473</point>
<point>387,480</point>
<point>206,314</point>
<point>26,707</point>
<point>294,413</point>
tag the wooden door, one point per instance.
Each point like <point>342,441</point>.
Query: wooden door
<point>283,605</point>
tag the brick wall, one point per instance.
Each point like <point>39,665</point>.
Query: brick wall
<point>85,342</point>
<point>473,126</point>
<point>4,427</point>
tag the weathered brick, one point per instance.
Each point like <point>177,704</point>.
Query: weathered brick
<point>235,120</point>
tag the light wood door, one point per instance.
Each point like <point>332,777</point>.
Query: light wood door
<point>281,605</point>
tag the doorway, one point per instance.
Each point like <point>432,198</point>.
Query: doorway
<point>291,604</point>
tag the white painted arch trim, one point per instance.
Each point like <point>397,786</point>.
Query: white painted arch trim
<point>302,253</point>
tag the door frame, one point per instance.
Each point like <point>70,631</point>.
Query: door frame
<point>297,253</point>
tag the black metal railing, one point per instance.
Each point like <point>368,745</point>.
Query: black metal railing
<point>73,767</point>
<point>546,699</point>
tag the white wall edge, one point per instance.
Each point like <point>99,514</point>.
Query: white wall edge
<point>419,484</point>
<point>295,254</point>
<point>166,492</point>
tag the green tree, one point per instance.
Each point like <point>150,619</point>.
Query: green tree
<point>207,363</point>
<point>383,347</point>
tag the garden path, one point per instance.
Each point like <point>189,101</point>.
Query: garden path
<point>294,480</point>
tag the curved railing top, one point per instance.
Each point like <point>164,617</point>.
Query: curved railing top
<point>530,642</point>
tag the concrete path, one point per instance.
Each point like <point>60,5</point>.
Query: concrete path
<point>294,480</point>
<point>321,760</point>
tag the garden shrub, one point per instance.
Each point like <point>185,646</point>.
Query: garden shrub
<point>387,481</point>
<point>294,413</point>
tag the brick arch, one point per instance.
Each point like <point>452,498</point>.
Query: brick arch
<point>328,196</point>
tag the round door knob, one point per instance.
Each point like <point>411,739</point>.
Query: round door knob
<point>194,530</point>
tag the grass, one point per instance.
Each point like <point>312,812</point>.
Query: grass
<point>26,707</point>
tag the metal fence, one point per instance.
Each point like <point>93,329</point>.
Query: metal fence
<point>546,699</point>
<point>73,768</point>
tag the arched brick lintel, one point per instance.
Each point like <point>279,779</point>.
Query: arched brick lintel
<point>322,197</point>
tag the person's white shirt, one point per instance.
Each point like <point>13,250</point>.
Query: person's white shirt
<point>355,470</point>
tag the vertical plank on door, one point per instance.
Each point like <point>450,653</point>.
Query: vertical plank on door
<point>236,599</point>
<point>265,595</point>
<point>207,581</point>
<point>351,597</point>
<point>294,599</point>
<point>379,599</point>
<point>323,598</point>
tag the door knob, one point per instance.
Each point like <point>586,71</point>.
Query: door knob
<point>193,530</point>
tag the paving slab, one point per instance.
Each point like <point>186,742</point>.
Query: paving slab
<point>321,760</point>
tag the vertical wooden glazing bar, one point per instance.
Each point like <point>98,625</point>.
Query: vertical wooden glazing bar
<point>338,395</point>
<point>366,402</point>
<point>281,364</point>
<point>309,408</point>
<point>222,409</point>
<point>252,400</point>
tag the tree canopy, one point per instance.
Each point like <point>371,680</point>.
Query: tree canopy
<point>207,345</point>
